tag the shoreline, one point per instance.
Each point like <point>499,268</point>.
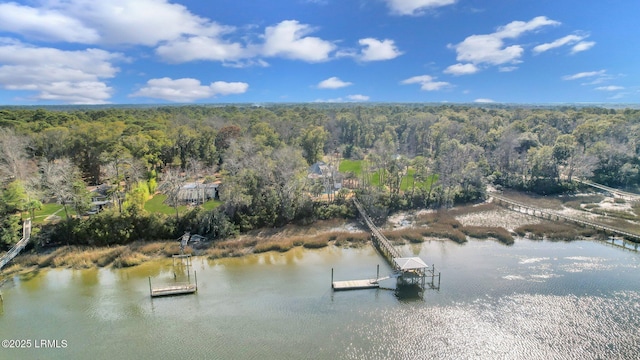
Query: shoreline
<point>481,221</point>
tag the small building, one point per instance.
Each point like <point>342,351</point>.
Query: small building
<point>324,173</point>
<point>413,273</point>
<point>198,193</point>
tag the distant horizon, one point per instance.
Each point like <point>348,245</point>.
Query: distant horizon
<point>330,104</point>
<point>75,52</point>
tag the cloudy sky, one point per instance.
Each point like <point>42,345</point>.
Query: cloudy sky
<point>248,51</point>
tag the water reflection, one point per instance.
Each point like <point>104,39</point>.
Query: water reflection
<point>531,300</point>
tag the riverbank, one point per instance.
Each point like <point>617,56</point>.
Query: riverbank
<point>482,221</point>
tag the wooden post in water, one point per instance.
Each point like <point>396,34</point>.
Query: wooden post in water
<point>331,276</point>
<point>150,289</point>
<point>195,275</point>
<point>378,272</point>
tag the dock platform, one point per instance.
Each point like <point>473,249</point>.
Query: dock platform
<point>174,290</point>
<point>355,284</point>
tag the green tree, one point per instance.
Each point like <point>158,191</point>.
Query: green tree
<point>312,143</point>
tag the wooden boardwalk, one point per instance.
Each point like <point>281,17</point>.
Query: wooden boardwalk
<point>379,240</point>
<point>19,246</point>
<point>408,271</point>
<point>553,215</point>
<point>619,193</point>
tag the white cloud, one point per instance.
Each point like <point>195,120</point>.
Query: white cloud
<point>358,97</point>
<point>586,74</point>
<point>44,24</point>
<point>333,83</point>
<point>461,69</point>
<point>376,50</point>
<point>610,88</point>
<point>187,89</point>
<point>143,22</point>
<point>567,40</point>
<point>415,7</point>
<point>75,77</point>
<point>582,46</point>
<point>329,100</point>
<point>507,68</point>
<point>288,40</point>
<point>202,48</point>
<point>483,101</point>
<point>426,82</point>
<point>351,98</point>
<point>490,49</point>
<point>140,22</point>
<point>516,28</point>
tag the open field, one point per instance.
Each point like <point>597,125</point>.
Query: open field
<point>355,167</point>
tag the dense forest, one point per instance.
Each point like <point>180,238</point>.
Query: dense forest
<point>407,156</point>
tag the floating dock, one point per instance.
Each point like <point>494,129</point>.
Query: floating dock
<point>355,284</point>
<point>174,290</point>
<point>177,288</point>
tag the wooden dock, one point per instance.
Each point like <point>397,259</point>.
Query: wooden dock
<point>171,290</point>
<point>355,284</point>
<point>175,288</point>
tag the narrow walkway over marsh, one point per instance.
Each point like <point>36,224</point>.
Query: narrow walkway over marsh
<point>19,246</point>
<point>615,192</point>
<point>410,272</point>
<point>553,215</point>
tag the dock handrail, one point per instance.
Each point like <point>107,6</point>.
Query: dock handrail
<point>623,194</point>
<point>382,240</point>
<point>19,246</point>
<point>556,214</point>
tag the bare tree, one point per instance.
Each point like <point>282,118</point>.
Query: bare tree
<point>171,183</point>
<point>13,157</point>
<point>63,181</point>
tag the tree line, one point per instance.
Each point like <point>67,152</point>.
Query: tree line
<point>411,156</point>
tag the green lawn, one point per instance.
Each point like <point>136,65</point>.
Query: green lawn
<point>157,205</point>
<point>49,209</point>
<point>211,204</point>
<point>354,166</point>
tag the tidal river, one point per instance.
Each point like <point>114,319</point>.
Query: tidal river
<point>533,300</point>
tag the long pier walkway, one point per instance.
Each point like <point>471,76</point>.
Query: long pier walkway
<point>619,193</point>
<point>379,240</point>
<point>19,246</point>
<point>553,215</point>
<point>410,272</point>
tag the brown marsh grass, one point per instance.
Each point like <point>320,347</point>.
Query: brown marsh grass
<point>554,231</point>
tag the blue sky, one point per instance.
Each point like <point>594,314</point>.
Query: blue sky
<point>255,51</point>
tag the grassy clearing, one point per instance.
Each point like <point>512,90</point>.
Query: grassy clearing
<point>48,209</point>
<point>353,166</point>
<point>156,205</point>
<point>211,204</point>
